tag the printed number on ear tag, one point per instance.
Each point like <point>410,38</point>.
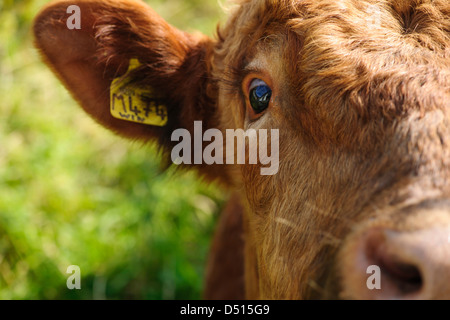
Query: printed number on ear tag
<point>136,104</point>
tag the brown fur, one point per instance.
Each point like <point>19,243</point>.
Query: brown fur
<point>225,272</point>
<point>362,109</point>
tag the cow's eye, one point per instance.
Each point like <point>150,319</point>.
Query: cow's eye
<point>260,95</point>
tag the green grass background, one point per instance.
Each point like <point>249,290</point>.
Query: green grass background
<point>72,193</point>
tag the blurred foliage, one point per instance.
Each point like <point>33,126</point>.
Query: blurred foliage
<point>71,193</point>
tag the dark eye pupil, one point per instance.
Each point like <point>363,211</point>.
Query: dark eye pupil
<point>260,98</point>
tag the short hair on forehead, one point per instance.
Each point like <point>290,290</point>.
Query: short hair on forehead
<point>374,59</point>
<point>426,20</point>
<point>341,29</point>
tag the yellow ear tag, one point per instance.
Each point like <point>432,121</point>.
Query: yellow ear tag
<point>136,104</point>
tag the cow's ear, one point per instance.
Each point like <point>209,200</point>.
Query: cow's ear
<point>129,69</point>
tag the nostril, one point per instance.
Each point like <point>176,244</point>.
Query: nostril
<point>398,273</point>
<point>404,276</point>
<point>381,263</point>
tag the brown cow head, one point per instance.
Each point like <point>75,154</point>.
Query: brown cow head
<point>359,92</point>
